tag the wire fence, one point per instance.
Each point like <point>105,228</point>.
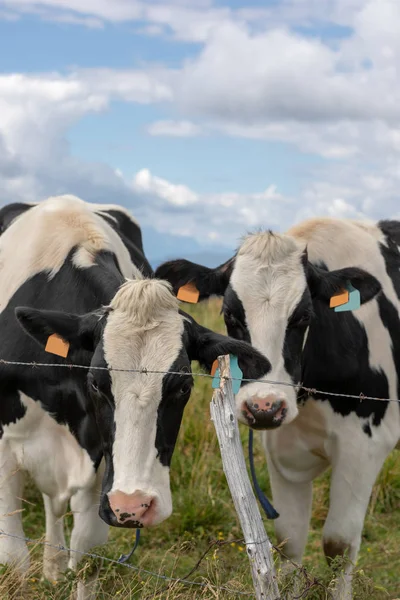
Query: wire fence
<point>309,580</point>
<point>114,561</point>
<point>299,386</point>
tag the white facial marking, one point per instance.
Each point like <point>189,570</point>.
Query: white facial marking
<point>269,279</point>
<point>143,331</point>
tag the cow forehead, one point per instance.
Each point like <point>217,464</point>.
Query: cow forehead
<point>267,286</point>
<point>152,347</point>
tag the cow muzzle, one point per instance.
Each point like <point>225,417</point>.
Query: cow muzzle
<point>131,510</point>
<point>268,412</point>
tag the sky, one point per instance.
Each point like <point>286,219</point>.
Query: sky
<point>207,119</point>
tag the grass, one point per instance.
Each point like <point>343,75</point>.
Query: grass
<point>203,512</point>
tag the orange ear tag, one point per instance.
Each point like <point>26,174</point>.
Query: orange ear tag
<point>339,299</point>
<point>188,293</point>
<point>57,345</point>
<point>214,367</point>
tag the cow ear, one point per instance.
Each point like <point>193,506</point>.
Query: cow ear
<point>77,330</point>
<point>325,284</point>
<point>209,282</point>
<point>205,346</point>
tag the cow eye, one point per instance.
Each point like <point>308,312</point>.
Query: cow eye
<point>185,389</point>
<point>229,316</point>
<point>94,386</point>
<point>302,321</point>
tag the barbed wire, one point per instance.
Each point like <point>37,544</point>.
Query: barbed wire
<point>360,397</point>
<point>183,580</point>
<point>310,580</point>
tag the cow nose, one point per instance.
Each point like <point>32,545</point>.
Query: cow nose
<point>264,413</point>
<point>132,510</point>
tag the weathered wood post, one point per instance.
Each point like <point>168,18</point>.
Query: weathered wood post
<point>258,546</point>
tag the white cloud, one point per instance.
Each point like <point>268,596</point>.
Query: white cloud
<point>176,195</point>
<point>174,208</point>
<point>179,14</point>
<point>275,75</point>
<point>223,218</point>
<point>186,20</point>
<point>252,78</point>
<point>36,111</point>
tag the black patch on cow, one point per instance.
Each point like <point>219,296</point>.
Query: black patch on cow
<point>11,407</point>
<point>130,229</point>
<point>72,290</point>
<point>390,319</point>
<point>10,212</point>
<point>234,316</point>
<point>176,390</point>
<point>102,407</point>
<point>391,252</point>
<point>298,322</point>
<point>131,237</point>
<point>391,229</point>
<point>367,429</point>
<point>336,360</point>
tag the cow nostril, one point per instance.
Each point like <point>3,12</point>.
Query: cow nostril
<point>265,412</point>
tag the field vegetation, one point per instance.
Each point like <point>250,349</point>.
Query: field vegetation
<point>202,539</point>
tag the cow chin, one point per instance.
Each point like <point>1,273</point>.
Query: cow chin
<point>261,409</point>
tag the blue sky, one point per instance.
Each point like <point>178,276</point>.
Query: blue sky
<point>206,118</point>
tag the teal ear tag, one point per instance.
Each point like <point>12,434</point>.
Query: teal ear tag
<point>236,374</point>
<point>354,300</point>
<point>215,382</point>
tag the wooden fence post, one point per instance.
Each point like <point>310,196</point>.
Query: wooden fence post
<point>258,546</point>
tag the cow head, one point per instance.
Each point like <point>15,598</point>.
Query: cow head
<point>137,406</point>
<point>271,294</point>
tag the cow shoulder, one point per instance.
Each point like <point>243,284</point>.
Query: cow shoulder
<point>129,231</point>
<point>127,224</point>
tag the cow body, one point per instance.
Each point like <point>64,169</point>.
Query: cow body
<point>29,434</point>
<point>117,216</point>
<point>276,294</point>
<point>101,436</point>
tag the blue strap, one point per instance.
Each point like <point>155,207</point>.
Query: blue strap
<point>125,557</point>
<point>265,503</point>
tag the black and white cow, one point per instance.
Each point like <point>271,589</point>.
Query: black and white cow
<point>277,291</point>
<point>118,217</point>
<point>65,270</point>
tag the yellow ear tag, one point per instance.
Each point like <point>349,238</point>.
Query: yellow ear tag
<point>188,293</point>
<point>339,299</point>
<point>214,367</point>
<point>57,345</point>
